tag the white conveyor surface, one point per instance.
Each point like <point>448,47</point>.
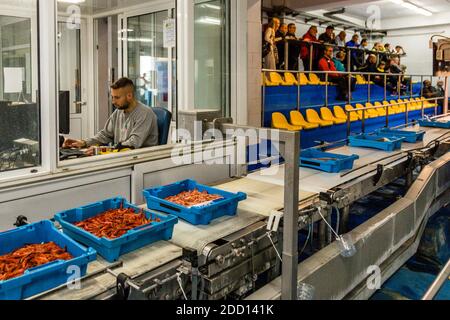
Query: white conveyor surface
<point>198,237</point>
<point>134,264</point>
<point>314,181</point>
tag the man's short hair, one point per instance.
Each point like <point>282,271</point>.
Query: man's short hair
<point>330,28</point>
<point>123,83</point>
<point>291,25</point>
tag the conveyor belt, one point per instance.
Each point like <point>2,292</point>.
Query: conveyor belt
<point>313,181</point>
<point>134,265</point>
<point>198,237</point>
<point>262,197</point>
<point>265,191</point>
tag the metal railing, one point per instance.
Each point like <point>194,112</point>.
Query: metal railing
<point>387,108</point>
<point>349,51</point>
<point>438,283</point>
<point>349,76</point>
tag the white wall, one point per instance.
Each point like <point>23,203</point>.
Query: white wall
<point>419,58</point>
<point>254,36</point>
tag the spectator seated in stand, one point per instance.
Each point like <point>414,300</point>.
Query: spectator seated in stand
<point>395,68</point>
<point>327,64</point>
<point>339,61</point>
<point>429,91</point>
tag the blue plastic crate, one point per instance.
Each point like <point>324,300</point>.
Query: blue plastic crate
<point>227,206</point>
<point>48,276</point>
<point>134,239</point>
<point>410,136</point>
<point>334,163</point>
<point>373,142</point>
<point>435,124</point>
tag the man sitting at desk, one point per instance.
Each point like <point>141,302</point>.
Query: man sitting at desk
<point>132,125</point>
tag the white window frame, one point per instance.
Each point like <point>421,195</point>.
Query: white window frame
<point>37,73</point>
<point>148,9</point>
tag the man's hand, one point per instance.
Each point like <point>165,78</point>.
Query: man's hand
<point>90,152</point>
<point>77,144</point>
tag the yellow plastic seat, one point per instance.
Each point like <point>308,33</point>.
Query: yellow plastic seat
<point>371,112</point>
<point>297,119</point>
<point>419,103</point>
<point>408,105</point>
<point>290,80</point>
<point>279,121</point>
<point>341,114</point>
<point>304,81</point>
<point>395,106</point>
<point>352,112</point>
<point>361,80</point>
<point>276,78</point>
<point>425,103</point>
<point>391,109</point>
<point>381,111</point>
<point>313,117</point>
<point>327,115</point>
<point>315,80</point>
<point>428,104</point>
<point>413,105</point>
<point>401,107</point>
<point>266,82</point>
<point>359,114</point>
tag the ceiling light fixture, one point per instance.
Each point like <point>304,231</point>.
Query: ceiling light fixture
<point>72,1</point>
<point>209,20</point>
<point>413,7</point>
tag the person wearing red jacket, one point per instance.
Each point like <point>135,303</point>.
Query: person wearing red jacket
<point>327,64</point>
<point>305,52</point>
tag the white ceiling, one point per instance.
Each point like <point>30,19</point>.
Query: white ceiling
<point>392,10</point>
<point>90,7</point>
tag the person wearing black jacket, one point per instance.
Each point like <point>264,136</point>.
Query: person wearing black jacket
<point>294,49</point>
<point>371,65</point>
<point>326,38</point>
<point>280,37</point>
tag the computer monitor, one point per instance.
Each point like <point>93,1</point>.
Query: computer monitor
<point>64,112</point>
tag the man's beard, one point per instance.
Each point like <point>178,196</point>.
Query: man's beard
<point>124,107</point>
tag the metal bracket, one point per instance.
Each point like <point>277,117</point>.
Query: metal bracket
<point>122,286</point>
<point>21,221</point>
<point>217,123</point>
<point>436,148</point>
<point>190,255</point>
<point>377,177</point>
<point>326,197</point>
<point>274,221</point>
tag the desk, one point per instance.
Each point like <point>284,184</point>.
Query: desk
<point>18,121</point>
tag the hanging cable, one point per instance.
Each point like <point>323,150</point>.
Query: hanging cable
<point>338,218</point>
<point>329,226</point>
<point>269,235</point>
<point>180,283</point>
<point>307,239</point>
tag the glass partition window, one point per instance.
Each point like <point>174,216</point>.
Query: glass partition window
<point>19,107</point>
<point>212,55</point>
<point>148,59</point>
